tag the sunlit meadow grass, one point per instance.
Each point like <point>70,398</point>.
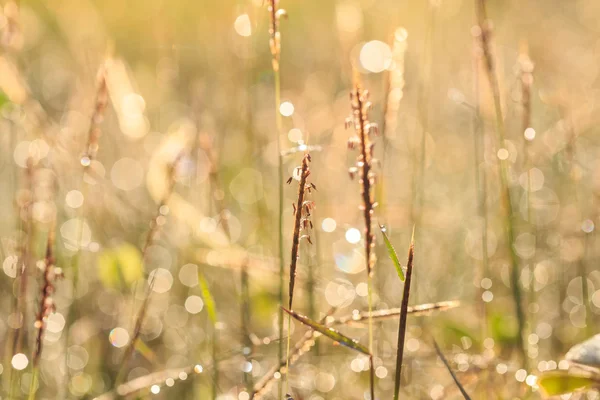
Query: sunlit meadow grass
<point>152,249</point>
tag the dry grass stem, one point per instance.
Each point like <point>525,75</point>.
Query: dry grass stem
<point>403,317</point>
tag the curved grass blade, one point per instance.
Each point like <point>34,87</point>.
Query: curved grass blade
<point>562,382</point>
<point>403,316</point>
<point>329,332</point>
<point>392,252</point>
<point>458,384</point>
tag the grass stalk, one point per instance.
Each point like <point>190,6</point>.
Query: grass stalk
<point>89,155</point>
<point>423,101</point>
<point>447,365</point>
<point>485,27</point>
<point>154,227</point>
<point>360,105</point>
<point>23,269</point>
<point>46,306</point>
<point>275,46</point>
<point>302,222</point>
<point>526,71</point>
<point>480,179</point>
<point>403,317</point>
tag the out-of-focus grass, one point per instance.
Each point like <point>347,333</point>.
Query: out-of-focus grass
<point>180,74</point>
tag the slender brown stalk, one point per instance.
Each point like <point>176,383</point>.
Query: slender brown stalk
<point>486,31</point>
<point>50,273</point>
<point>302,222</point>
<point>154,227</point>
<point>403,317</point>
<point>359,102</point>
<point>25,212</point>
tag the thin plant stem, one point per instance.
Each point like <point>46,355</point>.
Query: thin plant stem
<point>46,306</point>
<point>420,157</point>
<point>302,222</point>
<point>447,365</point>
<point>480,179</point>
<point>360,105</point>
<point>505,193</point>
<point>275,46</point>
<point>403,317</point>
<point>154,227</point>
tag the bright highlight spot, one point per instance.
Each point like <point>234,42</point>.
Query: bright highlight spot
<point>163,280</point>
<point>375,56</point>
<point>529,134</point>
<point>353,235</point>
<point>587,226</point>
<point>74,199</point>
<point>194,304</point>
<point>503,154</point>
<point>19,361</point>
<point>328,225</point>
<point>286,109</point>
<point>118,337</point>
<point>242,25</point>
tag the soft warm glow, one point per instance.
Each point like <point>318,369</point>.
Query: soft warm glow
<point>242,25</point>
<point>375,56</point>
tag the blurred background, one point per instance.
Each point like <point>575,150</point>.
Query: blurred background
<point>190,84</point>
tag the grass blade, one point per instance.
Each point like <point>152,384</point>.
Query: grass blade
<point>403,316</point>
<point>209,301</point>
<point>458,384</point>
<point>392,252</point>
<point>556,383</point>
<point>329,332</point>
<point>211,309</point>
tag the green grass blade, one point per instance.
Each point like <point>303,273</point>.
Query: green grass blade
<point>329,332</point>
<point>458,384</point>
<point>392,253</point>
<point>403,317</point>
<point>555,383</point>
<point>209,301</point>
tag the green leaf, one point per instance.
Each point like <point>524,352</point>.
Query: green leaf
<point>392,253</point>
<point>561,382</point>
<point>329,332</point>
<point>120,267</point>
<point>209,301</point>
